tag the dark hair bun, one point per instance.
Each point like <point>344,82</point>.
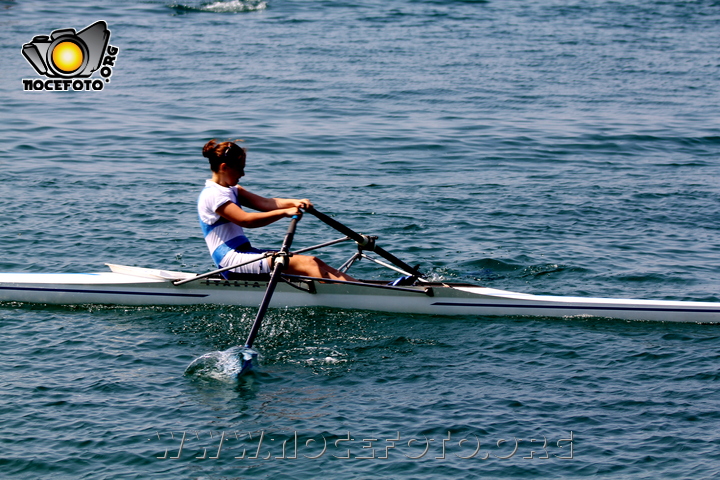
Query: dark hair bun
<point>209,149</point>
<point>224,152</point>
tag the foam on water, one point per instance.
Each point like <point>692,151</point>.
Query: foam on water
<point>233,6</point>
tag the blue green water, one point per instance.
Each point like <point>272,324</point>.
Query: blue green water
<point>540,146</point>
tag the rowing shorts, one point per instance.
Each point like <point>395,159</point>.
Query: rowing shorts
<point>233,258</point>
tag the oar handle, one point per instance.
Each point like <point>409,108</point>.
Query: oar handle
<point>365,242</point>
<point>279,265</point>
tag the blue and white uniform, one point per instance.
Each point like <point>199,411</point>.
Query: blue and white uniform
<point>226,241</point>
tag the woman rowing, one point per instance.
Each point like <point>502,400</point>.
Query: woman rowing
<point>222,217</point>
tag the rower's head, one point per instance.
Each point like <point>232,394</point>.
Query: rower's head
<point>228,153</point>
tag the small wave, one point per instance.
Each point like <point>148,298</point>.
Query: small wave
<point>324,361</point>
<point>542,269</point>
<point>222,365</point>
<point>488,269</point>
<point>234,6</point>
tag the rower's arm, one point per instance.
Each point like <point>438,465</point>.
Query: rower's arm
<point>263,204</point>
<point>238,216</point>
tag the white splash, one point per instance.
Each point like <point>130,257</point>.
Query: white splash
<point>234,6</point>
<point>222,365</point>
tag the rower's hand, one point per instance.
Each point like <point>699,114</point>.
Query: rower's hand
<point>296,205</point>
<point>292,211</point>
<point>304,203</point>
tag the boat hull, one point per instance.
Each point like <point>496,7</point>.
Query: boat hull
<point>135,286</point>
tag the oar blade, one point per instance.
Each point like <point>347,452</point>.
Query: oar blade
<point>248,361</point>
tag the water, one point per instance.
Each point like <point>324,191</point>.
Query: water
<point>539,146</point>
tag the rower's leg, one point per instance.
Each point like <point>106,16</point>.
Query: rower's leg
<point>314,267</point>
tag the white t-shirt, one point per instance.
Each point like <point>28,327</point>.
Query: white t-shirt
<point>226,241</point>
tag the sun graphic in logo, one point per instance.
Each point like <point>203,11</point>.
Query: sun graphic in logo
<point>67,56</point>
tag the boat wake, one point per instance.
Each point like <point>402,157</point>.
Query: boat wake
<point>224,365</point>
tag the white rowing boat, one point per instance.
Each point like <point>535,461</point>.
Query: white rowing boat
<point>124,285</point>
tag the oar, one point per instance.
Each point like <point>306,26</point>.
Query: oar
<point>364,242</point>
<point>281,262</point>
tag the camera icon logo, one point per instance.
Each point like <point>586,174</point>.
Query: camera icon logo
<point>68,54</point>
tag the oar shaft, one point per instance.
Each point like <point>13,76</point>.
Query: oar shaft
<point>364,242</point>
<point>278,267</point>
<point>263,307</point>
<point>393,259</point>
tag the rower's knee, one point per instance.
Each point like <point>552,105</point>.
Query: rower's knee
<point>305,264</point>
